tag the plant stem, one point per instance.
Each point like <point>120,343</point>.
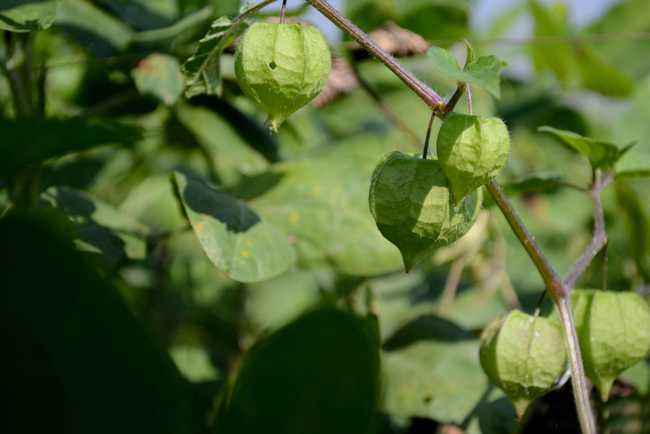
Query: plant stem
<point>550,277</point>
<point>578,378</point>
<point>431,98</point>
<point>252,10</point>
<point>427,140</point>
<point>552,281</point>
<point>283,12</point>
<point>599,239</point>
<point>379,101</point>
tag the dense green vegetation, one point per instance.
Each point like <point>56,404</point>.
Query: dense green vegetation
<point>170,265</point>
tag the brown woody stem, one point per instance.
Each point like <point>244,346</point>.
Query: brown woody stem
<point>554,284</point>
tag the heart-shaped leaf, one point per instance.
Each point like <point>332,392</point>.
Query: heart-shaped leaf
<point>601,154</point>
<point>233,236</point>
<point>484,72</point>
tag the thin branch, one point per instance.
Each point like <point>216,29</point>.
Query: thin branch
<point>427,140</point>
<point>379,101</point>
<point>430,97</point>
<point>599,239</point>
<point>252,10</point>
<point>283,12</point>
<point>453,101</point>
<point>453,281</point>
<point>546,270</point>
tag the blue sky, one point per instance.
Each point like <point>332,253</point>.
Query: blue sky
<point>582,11</point>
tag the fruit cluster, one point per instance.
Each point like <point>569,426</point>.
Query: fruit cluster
<point>525,355</point>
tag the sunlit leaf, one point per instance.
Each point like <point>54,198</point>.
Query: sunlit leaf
<point>101,229</point>
<point>601,154</point>
<point>159,75</point>
<point>27,15</point>
<point>235,238</point>
<point>327,190</point>
<point>484,72</point>
<point>202,70</point>
<point>94,29</point>
<point>535,184</point>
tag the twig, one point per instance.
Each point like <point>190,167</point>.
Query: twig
<point>605,269</point>
<point>599,239</point>
<point>546,270</point>
<point>427,140</point>
<point>553,283</point>
<point>453,281</point>
<point>379,101</point>
<point>252,10</point>
<point>428,95</point>
<point>283,12</point>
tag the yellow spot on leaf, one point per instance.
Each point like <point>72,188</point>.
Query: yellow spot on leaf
<point>245,254</point>
<point>294,217</point>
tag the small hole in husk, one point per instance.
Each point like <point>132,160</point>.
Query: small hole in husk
<point>273,65</point>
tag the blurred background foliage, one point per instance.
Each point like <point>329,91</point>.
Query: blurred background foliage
<point>119,311</point>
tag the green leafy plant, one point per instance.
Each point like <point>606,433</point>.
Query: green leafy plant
<point>168,257</point>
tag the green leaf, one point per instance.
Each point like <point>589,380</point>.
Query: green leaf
<point>557,58</point>
<point>412,205</point>
<point>639,376</point>
<point>203,69</point>
<point>540,184</point>
<point>601,154</point>
<point>633,174</point>
<point>223,141</point>
<point>194,363</point>
<point>600,76</point>
<point>153,203</point>
<point>523,355</point>
<point>93,28</point>
<point>41,139</point>
<point>484,72</point>
<point>177,33</point>
<point>573,64</point>
<point>142,14</point>
<point>442,381</point>
<point>159,75</point>
<point>630,55</point>
<point>274,303</point>
<point>100,228</point>
<point>233,236</point>
<point>319,374</point>
<point>76,346</point>
<point>27,15</point>
<point>321,202</point>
